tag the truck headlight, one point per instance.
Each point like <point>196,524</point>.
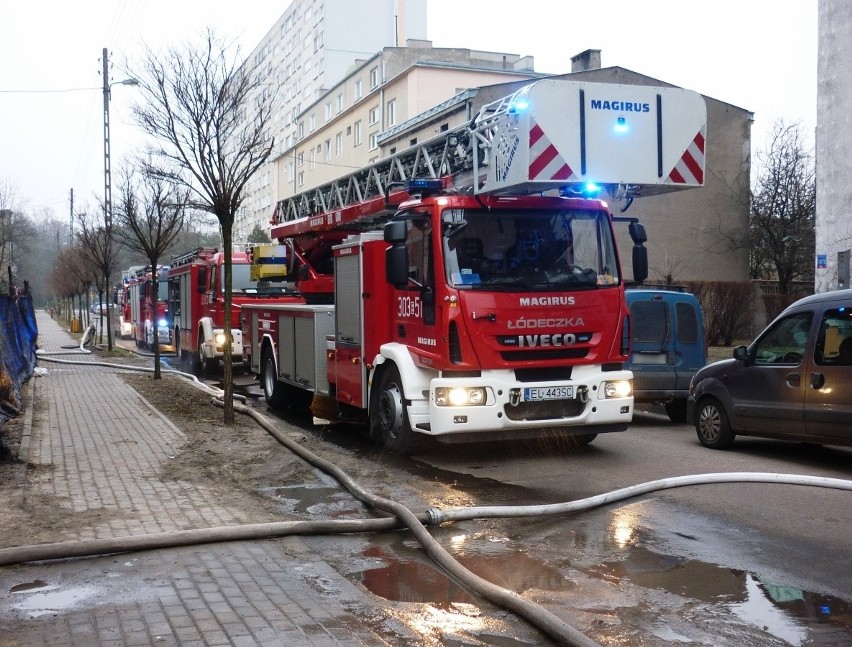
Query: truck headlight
<point>460,396</point>
<point>219,339</point>
<point>617,389</point>
<point>163,323</point>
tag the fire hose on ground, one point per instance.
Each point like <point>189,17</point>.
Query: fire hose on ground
<point>403,517</point>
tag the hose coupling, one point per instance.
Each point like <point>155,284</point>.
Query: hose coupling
<point>436,517</point>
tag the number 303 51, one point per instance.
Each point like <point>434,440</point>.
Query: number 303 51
<point>409,307</point>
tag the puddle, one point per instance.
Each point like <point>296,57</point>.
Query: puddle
<point>47,600</point>
<point>330,502</point>
<point>787,613</point>
<point>792,615</point>
<point>28,586</point>
<point>407,576</point>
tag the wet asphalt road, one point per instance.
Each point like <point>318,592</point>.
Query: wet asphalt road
<point>749,564</point>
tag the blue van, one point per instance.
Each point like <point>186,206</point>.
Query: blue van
<point>667,346</point>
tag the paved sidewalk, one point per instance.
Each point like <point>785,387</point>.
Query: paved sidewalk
<point>104,454</point>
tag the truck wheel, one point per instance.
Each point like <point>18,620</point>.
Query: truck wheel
<point>712,426</point>
<point>676,410</point>
<point>272,390</point>
<point>280,395</point>
<point>389,418</point>
<point>205,366</point>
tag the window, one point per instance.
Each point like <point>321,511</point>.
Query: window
<point>302,130</point>
<point>687,323</point>
<point>340,102</point>
<point>301,159</point>
<point>357,133</point>
<point>338,144</point>
<point>313,159</point>
<point>374,115</point>
<point>650,321</point>
<point>785,341</point>
<point>374,78</point>
<point>391,112</point>
<point>327,146</point>
<point>834,344</point>
<point>327,111</point>
<point>312,122</point>
<point>374,144</point>
<point>301,178</point>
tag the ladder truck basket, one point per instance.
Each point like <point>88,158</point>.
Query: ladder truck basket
<point>561,135</point>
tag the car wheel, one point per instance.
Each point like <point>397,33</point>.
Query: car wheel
<point>676,410</point>
<point>388,415</point>
<point>712,426</point>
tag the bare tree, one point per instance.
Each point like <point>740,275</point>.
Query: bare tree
<point>208,115</point>
<point>71,276</point>
<point>149,219</point>
<point>96,237</point>
<point>783,210</point>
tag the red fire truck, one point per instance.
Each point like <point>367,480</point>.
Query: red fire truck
<point>146,311</point>
<point>196,288</point>
<point>488,299</point>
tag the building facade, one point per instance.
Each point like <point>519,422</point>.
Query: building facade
<point>833,141</point>
<point>309,49</point>
<point>347,128</point>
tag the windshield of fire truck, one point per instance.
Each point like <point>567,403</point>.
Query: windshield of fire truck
<point>531,249</point>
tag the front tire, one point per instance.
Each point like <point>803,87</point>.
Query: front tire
<point>712,425</point>
<point>389,417</point>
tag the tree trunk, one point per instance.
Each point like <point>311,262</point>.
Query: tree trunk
<point>227,359</point>
<point>155,293</point>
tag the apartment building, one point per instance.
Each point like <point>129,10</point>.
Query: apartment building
<point>341,131</point>
<point>309,49</point>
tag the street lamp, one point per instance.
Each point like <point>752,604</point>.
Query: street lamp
<point>107,176</point>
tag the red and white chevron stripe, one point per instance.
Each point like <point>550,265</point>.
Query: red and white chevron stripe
<point>545,161</point>
<point>690,167</point>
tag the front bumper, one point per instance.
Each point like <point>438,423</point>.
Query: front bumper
<point>506,411</point>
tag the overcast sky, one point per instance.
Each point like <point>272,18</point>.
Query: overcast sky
<point>760,55</point>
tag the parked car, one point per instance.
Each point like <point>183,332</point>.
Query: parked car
<point>793,382</point>
<point>98,308</point>
<point>667,346</point>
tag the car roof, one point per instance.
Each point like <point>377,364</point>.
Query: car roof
<point>841,296</point>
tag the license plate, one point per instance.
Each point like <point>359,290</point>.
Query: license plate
<point>536,393</point>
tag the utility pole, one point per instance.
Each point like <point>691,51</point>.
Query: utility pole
<point>71,221</point>
<point>107,178</point>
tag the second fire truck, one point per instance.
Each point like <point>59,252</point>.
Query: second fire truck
<point>487,300</point>
<point>196,289</point>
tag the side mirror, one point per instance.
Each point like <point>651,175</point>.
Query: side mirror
<point>640,255</point>
<point>395,231</point>
<point>396,266</point>
<point>741,353</point>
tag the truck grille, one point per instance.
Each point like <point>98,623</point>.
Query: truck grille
<point>547,410</point>
<point>533,355</point>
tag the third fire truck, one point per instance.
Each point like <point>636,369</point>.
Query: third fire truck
<point>486,300</point>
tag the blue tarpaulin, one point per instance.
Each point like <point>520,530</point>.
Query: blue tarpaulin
<point>18,335</point>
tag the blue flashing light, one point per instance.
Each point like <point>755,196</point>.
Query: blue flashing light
<point>621,125</point>
<point>519,106</point>
<point>591,189</point>
<point>163,323</point>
